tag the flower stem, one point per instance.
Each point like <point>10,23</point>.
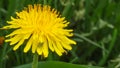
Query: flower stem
<point>35,61</point>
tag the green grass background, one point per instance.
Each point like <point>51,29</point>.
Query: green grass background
<point>96,25</point>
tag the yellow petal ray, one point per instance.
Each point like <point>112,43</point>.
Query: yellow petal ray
<point>26,36</point>
<point>56,50</point>
<point>39,49</point>
<point>40,38</point>
<point>50,44</point>
<point>45,48</point>
<point>13,18</point>
<point>65,39</point>
<point>66,46</point>
<point>60,47</point>
<point>28,45</point>
<point>68,33</point>
<point>19,31</point>
<point>35,36</point>
<point>13,22</point>
<point>7,40</point>
<point>36,42</point>
<point>11,26</point>
<point>34,46</point>
<point>15,39</point>
<point>64,32</point>
<point>18,45</point>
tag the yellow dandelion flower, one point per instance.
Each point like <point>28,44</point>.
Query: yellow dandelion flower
<point>42,28</point>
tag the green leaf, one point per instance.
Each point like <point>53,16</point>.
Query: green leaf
<point>56,64</point>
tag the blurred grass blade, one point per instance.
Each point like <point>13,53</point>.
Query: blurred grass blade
<point>1,6</point>
<point>12,6</point>
<point>56,64</point>
<point>55,3</point>
<point>3,56</point>
<point>103,60</point>
<point>88,40</point>
<point>45,2</point>
<point>67,8</point>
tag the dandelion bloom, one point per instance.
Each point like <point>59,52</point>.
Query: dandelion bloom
<point>42,28</point>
